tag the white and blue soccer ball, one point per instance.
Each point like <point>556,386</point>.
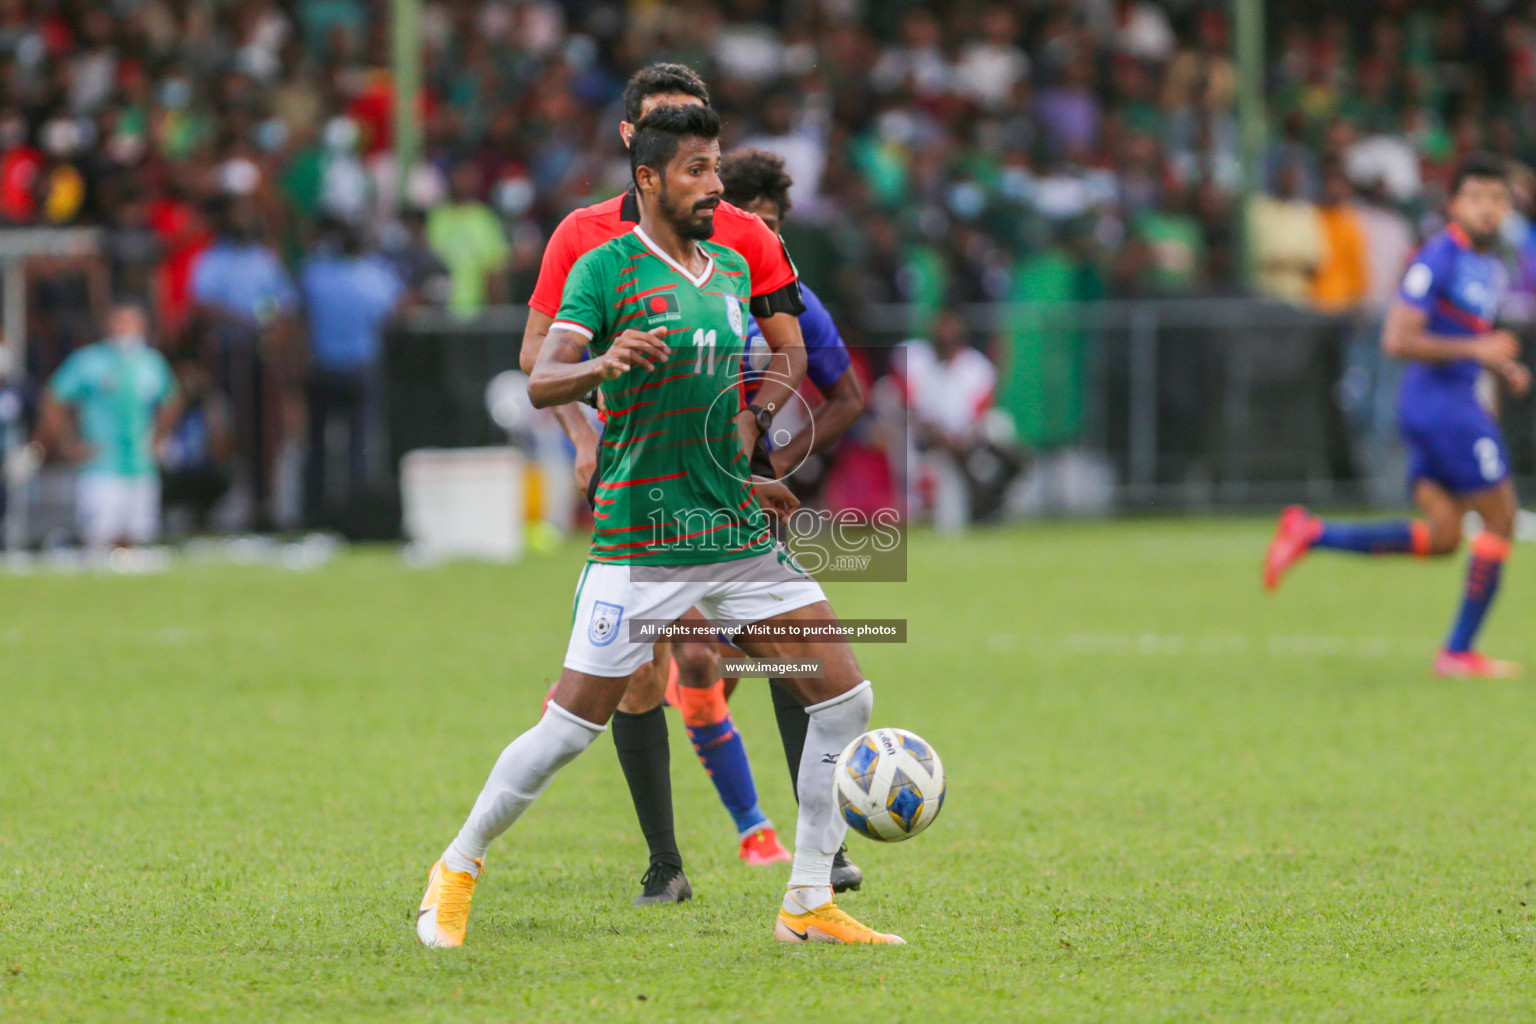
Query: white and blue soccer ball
<point>889,784</point>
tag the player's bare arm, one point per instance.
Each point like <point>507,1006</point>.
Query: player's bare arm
<point>843,404</point>
<point>535,330</point>
<point>562,375</point>
<point>570,417</point>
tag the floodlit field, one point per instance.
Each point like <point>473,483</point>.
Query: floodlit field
<point>1171,799</point>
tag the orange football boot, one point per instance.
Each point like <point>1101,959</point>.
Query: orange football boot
<point>444,916</point>
<point>827,923</point>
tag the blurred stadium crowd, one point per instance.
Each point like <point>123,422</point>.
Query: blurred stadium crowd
<point>238,156</point>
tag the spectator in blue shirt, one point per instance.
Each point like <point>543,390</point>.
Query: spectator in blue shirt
<point>349,295</point>
<point>246,300</point>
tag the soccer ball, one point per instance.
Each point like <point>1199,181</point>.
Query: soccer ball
<point>890,785</point>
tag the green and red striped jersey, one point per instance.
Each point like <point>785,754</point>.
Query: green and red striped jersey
<point>675,487</point>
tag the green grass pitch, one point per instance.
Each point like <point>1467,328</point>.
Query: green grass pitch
<point>1172,798</point>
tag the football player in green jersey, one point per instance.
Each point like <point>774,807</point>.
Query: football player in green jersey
<point>661,312</point>
<point>639,726</point>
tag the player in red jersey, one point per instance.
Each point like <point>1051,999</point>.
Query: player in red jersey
<point>640,725</point>
<point>756,181</point>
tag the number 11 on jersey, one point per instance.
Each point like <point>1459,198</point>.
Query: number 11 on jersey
<point>704,341</point>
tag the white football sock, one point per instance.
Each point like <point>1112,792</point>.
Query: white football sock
<point>800,898</point>
<point>453,860</point>
<point>522,772</point>
<point>820,829</point>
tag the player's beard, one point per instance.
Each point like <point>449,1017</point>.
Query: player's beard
<point>1483,242</point>
<point>687,223</point>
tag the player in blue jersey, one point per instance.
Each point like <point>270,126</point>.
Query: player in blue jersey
<point>1442,324</point>
<point>756,181</point>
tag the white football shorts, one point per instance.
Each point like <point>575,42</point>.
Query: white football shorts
<point>112,509</point>
<point>611,597</point>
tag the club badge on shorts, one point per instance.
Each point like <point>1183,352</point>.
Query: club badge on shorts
<point>605,623</point>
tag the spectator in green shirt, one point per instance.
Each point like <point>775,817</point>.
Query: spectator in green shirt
<point>105,409</point>
<point>1175,244</point>
<point>467,236</point>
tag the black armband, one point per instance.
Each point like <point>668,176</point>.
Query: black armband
<point>590,398</point>
<point>761,462</point>
<point>785,300</point>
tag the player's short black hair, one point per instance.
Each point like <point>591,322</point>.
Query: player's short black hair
<point>752,174</point>
<point>654,143</point>
<point>658,80</point>
<point>1480,165</point>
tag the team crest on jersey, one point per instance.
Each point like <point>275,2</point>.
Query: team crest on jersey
<point>662,307</point>
<point>605,623</point>
<point>733,314</point>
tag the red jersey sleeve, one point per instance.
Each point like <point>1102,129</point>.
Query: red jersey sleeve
<point>560,255</point>
<point>767,259</point>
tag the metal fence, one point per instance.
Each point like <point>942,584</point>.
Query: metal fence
<point>1203,403</point>
<point>1172,404</point>
<point>1188,403</point>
